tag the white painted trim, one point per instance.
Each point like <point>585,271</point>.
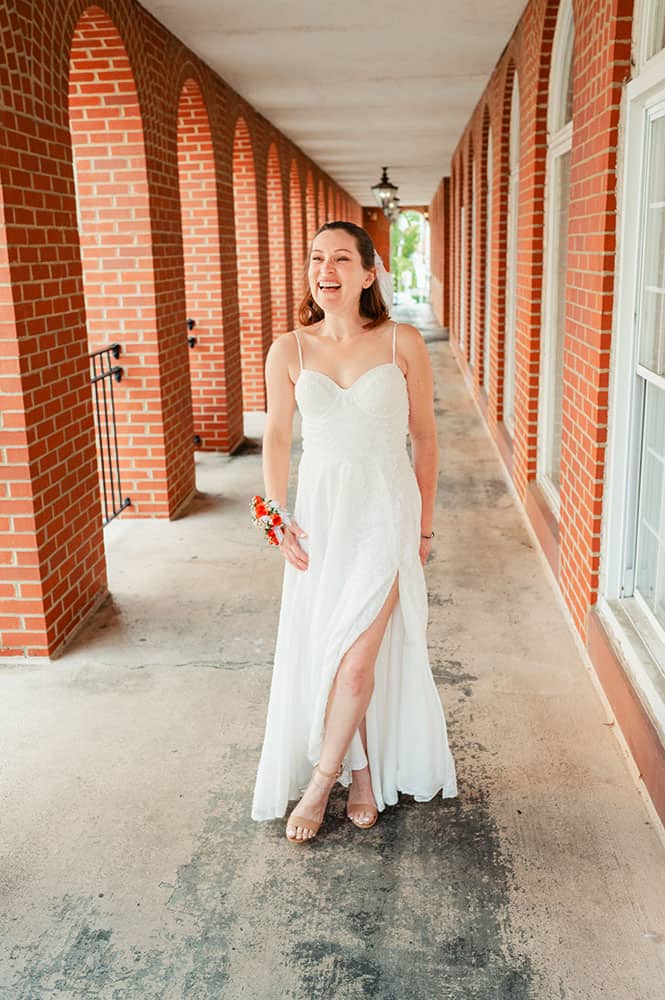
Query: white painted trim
<point>559,144</point>
<point>644,16</point>
<point>641,643</point>
<point>558,82</point>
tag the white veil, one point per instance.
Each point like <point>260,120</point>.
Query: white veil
<point>385,281</point>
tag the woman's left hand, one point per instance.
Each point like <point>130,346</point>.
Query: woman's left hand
<point>425,548</point>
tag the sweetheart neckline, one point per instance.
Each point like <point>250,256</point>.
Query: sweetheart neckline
<point>345,388</point>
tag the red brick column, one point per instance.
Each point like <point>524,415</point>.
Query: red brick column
<point>52,566</point>
<point>603,34</point>
<point>310,208</point>
<point>297,225</point>
<point>249,276</point>
<point>209,364</point>
<point>280,298</point>
<point>321,206</point>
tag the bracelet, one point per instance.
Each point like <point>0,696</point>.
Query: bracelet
<point>429,536</point>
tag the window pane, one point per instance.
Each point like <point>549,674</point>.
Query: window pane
<point>656,29</point>
<point>562,188</point>
<point>568,79</point>
<point>651,350</point>
<point>650,570</point>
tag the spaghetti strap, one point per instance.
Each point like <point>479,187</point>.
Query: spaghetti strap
<point>295,334</point>
<point>394,335</point>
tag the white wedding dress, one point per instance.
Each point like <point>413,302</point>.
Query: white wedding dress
<point>358,500</point>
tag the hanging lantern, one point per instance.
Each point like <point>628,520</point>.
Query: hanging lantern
<point>384,190</point>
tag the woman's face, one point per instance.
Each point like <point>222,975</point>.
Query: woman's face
<point>336,274</point>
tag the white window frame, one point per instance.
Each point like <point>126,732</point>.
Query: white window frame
<point>634,628</point>
<point>643,26</point>
<point>560,141</point>
<point>488,266</point>
<point>509,336</point>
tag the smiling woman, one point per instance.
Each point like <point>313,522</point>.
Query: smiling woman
<point>324,272</point>
<point>352,690</point>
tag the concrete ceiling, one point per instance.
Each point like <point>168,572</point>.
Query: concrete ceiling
<point>355,85</point>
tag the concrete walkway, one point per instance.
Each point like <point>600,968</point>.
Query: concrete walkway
<point>130,867</point>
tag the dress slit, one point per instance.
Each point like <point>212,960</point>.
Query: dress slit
<point>355,758</point>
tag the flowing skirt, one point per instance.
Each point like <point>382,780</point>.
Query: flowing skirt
<point>363,526</point>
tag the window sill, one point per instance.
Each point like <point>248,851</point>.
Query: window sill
<point>642,654</point>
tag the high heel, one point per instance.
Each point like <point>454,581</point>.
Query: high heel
<point>295,819</point>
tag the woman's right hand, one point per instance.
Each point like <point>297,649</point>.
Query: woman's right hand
<point>291,547</point>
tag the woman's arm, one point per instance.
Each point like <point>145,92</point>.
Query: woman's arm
<point>422,421</point>
<point>279,421</point>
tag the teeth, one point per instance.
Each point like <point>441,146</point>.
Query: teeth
<point>328,284</point>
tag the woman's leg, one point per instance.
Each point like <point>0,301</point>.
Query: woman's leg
<point>348,699</point>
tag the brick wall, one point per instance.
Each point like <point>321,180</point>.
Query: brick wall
<point>378,227</point>
<point>601,62</point>
<point>151,137</point>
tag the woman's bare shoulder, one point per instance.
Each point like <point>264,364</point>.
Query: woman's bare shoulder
<point>410,343</point>
<point>283,355</point>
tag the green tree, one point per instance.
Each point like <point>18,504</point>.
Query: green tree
<point>404,240</point>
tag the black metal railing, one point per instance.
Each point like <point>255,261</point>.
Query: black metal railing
<point>103,373</point>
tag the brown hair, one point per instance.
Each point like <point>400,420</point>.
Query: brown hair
<point>371,301</point>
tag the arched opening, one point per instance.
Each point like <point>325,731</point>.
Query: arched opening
<point>252,348</point>
<point>202,261</point>
<point>116,250</point>
<point>297,237</point>
<point>280,300</point>
<point>410,264</point>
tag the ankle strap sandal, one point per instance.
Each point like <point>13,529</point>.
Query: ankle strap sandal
<point>307,822</point>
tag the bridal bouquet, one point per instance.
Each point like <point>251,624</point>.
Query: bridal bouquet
<point>269,516</point>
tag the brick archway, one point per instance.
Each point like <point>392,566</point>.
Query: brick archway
<point>115,234</point>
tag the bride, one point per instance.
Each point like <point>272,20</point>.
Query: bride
<point>343,345</point>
